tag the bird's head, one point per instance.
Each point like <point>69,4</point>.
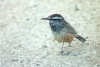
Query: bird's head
<point>54,17</point>
<point>55,21</point>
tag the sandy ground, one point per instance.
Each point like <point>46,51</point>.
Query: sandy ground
<point>27,41</point>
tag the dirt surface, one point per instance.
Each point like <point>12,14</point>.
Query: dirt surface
<point>27,41</point>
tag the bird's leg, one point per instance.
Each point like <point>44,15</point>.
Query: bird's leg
<point>53,40</point>
<point>69,45</point>
<point>62,48</point>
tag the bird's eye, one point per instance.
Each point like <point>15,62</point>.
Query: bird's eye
<point>51,23</point>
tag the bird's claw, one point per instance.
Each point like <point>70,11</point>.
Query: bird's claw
<point>62,52</point>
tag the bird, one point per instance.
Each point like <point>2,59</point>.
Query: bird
<point>62,30</point>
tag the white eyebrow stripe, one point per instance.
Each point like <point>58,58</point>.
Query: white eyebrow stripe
<point>56,18</point>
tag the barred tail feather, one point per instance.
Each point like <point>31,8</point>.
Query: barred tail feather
<point>80,38</point>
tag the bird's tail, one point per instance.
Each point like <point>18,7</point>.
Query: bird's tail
<point>80,38</point>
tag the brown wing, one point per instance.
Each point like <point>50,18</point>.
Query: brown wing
<point>70,28</point>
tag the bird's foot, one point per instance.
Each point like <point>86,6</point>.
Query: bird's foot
<point>62,52</point>
<point>69,46</point>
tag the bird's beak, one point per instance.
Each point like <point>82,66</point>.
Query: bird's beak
<point>44,19</point>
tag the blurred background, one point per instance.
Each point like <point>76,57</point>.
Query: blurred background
<point>27,41</point>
